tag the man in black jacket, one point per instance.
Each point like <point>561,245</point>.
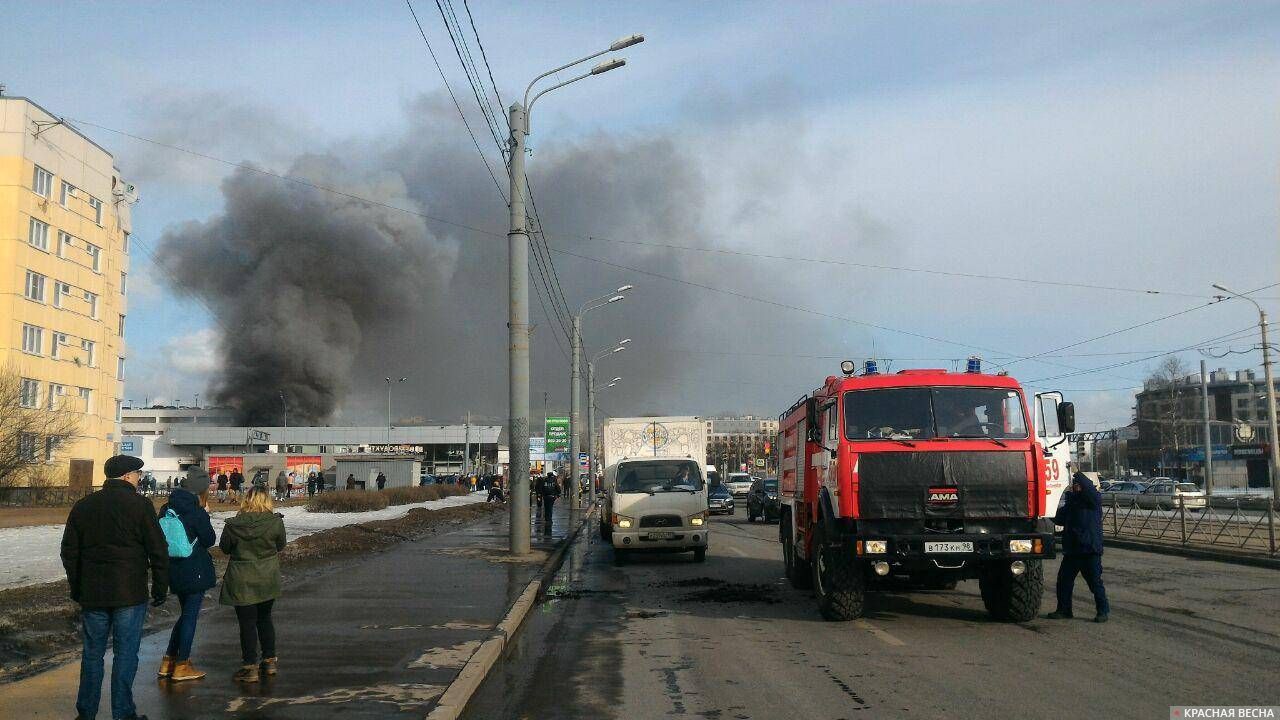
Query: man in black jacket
<point>111,540</point>
<point>1081,516</point>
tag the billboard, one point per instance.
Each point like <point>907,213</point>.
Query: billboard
<point>557,431</point>
<point>537,448</point>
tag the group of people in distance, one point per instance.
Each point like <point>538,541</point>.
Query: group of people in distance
<point>114,541</point>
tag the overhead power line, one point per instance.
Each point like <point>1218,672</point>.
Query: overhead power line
<point>1144,359</point>
<point>456,104</point>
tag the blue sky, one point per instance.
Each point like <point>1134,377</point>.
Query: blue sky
<point>1128,144</point>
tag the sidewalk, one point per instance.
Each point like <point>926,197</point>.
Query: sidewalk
<point>369,638</point>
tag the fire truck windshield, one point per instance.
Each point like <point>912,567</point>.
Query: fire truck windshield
<point>921,413</point>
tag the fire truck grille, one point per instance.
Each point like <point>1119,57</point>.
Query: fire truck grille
<point>901,485</point>
<point>661,521</point>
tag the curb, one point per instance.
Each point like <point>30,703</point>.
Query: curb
<point>1195,554</point>
<point>455,698</point>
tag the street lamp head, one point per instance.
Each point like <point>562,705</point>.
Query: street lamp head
<point>619,349</point>
<point>627,42</point>
<point>608,65</point>
<point>624,288</point>
<point>1219,287</point>
<point>624,341</point>
<point>616,298</point>
<point>617,379</point>
<point>403,379</point>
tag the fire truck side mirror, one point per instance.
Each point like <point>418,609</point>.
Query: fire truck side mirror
<point>1066,418</point>
<point>813,429</point>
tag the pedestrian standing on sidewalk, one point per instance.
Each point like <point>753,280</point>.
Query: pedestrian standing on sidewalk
<point>311,483</point>
<point>381,480</point>
<point>1081,517</point>
<point>282,484</point>
<point>224,484</point>
<point>110,542</point>
<point>550,491</point>
<point>253,539</point>
<point>237,482</point>
<point>189,576</point>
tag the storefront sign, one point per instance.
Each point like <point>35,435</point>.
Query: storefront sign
<point>557,429</point>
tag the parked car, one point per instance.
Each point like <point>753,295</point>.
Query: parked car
<point>1126,487</point>
<point>719,500</point>
<point>739,483</point>
<point>762,499</point>
<point>1169,492</point>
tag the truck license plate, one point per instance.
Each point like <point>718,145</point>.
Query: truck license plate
<point>948,547</point>
<point>661,535</point>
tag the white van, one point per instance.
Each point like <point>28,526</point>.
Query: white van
<point>656,505</point>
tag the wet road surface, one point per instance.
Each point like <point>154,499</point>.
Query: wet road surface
<point>664,637</point>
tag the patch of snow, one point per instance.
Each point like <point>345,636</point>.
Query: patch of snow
<point>30,555</point>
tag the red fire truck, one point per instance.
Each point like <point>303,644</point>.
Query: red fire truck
<point>925,477</point>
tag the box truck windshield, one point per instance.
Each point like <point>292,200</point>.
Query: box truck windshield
<point>655,476</point>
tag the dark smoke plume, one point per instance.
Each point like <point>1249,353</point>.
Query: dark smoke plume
<point>302,280</point>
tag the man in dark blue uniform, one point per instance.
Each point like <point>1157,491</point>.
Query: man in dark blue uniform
<point>1081,516</point>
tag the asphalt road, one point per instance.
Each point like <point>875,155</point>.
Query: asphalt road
<point>666,637</point>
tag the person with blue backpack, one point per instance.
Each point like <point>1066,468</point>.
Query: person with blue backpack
<point>189,535</point>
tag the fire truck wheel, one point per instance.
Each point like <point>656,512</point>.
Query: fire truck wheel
<point>797,570</point>
<point>838,583</point>
<point>1011,598</point>
<point>700,555</point>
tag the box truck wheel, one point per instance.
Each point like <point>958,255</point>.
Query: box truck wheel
<point>700,555</point>
<point>1009,597</point>
<point>620,556</point>
<point>797,570</point>
<point>838,583</point>
<point>606,531</point>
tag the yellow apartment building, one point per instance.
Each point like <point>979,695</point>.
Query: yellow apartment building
<point>64,264</point>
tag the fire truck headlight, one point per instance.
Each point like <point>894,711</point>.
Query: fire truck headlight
<point>1019,546</point>
<point>876,547</point>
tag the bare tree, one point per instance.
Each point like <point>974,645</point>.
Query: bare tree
<point>32,431</point>
<point>1172,411</point>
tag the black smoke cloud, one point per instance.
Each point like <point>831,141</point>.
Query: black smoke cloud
<point>302,282</point>
<point>321,296</point>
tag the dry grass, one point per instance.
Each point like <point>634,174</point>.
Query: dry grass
<point>344,501</point>
<point>408,495</point>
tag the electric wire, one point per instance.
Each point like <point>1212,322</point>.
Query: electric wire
<point>1143,359</point>
<point>483,56</point>
<point>456,105</point>
<point>466,69</point>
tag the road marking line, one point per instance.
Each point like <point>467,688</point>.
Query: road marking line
<point>883,636</point>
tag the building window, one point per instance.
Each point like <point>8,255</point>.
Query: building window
<point>56,393</point>
<point>30,393</point>
<point>42,182</point>
<point>92,301</point>
<point>88,347</point>
<point>120,330</point>
<point>32,339</point>
<point>125,244</point>
<point>35,286</point>
<point>95,256</point>
<point>55,349</point>
<point>68,192</point>
<point>119,410</point>
<point>38,236</point>
<point>65,241</point>
<point>120,368</point>
<point>27,446</point>
<point>50,446</point>
<point>87,396</point>
<point>60,290</point>
<point>96,205</point>
<point>124,284</point>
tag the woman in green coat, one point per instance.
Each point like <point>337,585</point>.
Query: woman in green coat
<point>253,539</point>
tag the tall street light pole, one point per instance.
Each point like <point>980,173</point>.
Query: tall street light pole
<point>389,398</point>
<point>284,407</point>
<point>575,388</point>
<point>518,298</point>
<point>1271,393</point>
<point>591,400</point>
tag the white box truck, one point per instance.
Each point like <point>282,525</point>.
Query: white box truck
<point>655,486</point>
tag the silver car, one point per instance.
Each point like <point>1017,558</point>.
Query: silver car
<point>1167,492</point>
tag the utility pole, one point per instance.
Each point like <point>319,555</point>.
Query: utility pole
<point>1208,436</point>
<point>285,407</point>
<point>466,446</point>
<point>591,425</point>
<point>518,339</point>
<point>575,416</point>
<point>1274,461</point>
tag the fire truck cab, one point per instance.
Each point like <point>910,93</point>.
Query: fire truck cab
<point>926,477</point>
